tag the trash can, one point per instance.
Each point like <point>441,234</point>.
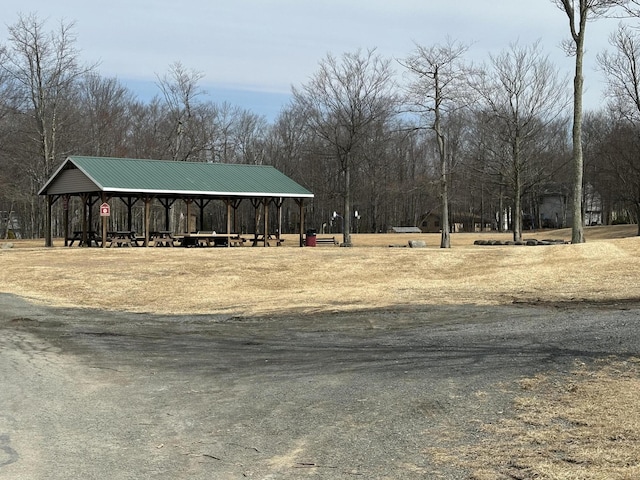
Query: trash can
<point>310,238</point>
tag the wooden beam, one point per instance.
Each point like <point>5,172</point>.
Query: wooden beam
<point>278,203</point>
<point>265,203</point>
<point>65,217</point>
<point>188,202</point>
<point>147,220</point>
<point>48,240</point>
<point>300,202</point>
<point>202,204</point>
<point>167,203</point>
<point>256,227</point>
<point>229,202</point>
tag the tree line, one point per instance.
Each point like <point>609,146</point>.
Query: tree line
<point>471,146</point>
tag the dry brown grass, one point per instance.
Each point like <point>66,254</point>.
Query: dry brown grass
<point>583,429</point>
<point>254,281</point>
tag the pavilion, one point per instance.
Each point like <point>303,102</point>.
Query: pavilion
<point>131,180</point>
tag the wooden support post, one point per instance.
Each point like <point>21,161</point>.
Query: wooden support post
<point>228,202</point>
<point>265,203</point>
<point>105,221</point>
<point>278,202</point>
<point>235,204</point>
<point>256,205</point>
<point>202,203</point>
<point>85,198</point>
<point>147,218</point>
<point>300,202</point>
<point>65,218</point>
<point>48,241</point>
<point>188,202</point>
<point>129,202</point>
<point>167,203</point>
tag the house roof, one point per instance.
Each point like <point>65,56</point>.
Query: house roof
<point>406,230</point>
<point>79,174</point>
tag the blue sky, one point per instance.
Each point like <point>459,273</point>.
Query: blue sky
<point>252,51</point>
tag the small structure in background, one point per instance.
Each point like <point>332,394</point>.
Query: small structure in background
<point>431,223</point>
<point>404,230</point>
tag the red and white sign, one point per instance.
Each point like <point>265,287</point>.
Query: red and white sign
<point>105,210</point>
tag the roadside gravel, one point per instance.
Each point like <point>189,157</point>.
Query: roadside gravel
<point>89,394</point>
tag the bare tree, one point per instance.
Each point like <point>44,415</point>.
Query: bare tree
<point>343,101</point>
<point>524,94</point>
<point>622,73</point>
<point>621,69</point>
<point>579,12</point>
<point>45,67</point>
<point>436,90</point>
<point>180,91</point>
<point>105,106</point>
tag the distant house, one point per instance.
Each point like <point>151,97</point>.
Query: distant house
<point>592,206</point>
<point>553,207</point>
<point>430,223</point>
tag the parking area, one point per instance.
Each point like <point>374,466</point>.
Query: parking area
<point>91,394</point>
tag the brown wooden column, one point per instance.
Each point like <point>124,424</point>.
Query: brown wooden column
<point>278,203</point>
<point>65,218</point>
<point>265,204</point>
<point>202,204</point>
<point>84,198</point>
<point>235,204</point>
<point>147,218</point>
<point>256,205</point>
<point>105,221</point>
<point>228,202</point>
<point>188,202</point>
<point>129,202</point>
<point>91,203</point>
<point>300,202</point>
<point>167,204</point>
<point>48,234</point>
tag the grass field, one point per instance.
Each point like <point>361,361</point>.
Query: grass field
<point>585,428</point>
<point>255,281</point>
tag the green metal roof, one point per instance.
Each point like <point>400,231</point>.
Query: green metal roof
<point>160,177</point>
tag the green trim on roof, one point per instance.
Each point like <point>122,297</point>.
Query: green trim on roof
<point>128,175</point>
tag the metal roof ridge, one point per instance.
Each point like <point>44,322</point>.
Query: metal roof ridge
<point>168,161</point>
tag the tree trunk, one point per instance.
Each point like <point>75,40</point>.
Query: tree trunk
<point>445,237</point>
<point>517,193</point>
<point>346,216</point>
<point>577,231</point>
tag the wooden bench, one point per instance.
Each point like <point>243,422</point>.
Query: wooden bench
<point>271,238</point>
<point>327,241</point>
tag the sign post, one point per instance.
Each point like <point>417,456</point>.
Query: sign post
<point>105,213</point>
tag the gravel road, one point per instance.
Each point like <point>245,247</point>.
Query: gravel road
<point>93,395</point>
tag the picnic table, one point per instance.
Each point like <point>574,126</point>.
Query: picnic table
<point>209,239</point>
<point>122,238</point>
<point>271,238</point>
<point>162,238</point>
<point>92,238</point>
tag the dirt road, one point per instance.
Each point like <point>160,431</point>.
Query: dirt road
<point>92,395</point>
